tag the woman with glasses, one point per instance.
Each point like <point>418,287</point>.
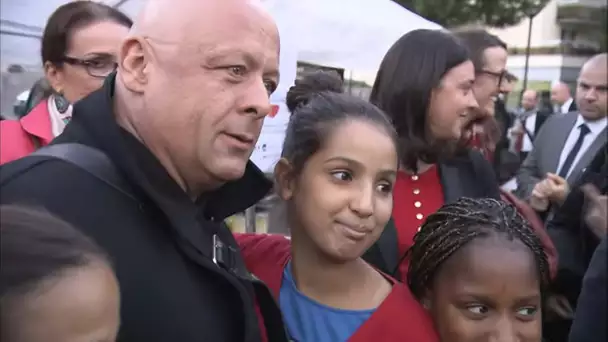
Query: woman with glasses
<point>79,49</point>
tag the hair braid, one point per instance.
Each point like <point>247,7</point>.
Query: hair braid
<point>458,223</point>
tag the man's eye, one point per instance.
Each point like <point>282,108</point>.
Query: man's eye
<point>238,70</point>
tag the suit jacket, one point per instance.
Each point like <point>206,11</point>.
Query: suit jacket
<point>548,147</point>
<point>541,117</point>
<point>573,107</point>
<point>574,242</point>
<point>590,319</point>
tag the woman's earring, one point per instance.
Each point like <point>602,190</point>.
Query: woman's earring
<point>61,103</point>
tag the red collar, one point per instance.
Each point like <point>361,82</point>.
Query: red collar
<point>38,122</point>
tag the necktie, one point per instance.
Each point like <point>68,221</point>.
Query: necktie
<point>584,130</point>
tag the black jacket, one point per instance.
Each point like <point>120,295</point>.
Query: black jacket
<point>573,240</point>
<point>157,241</point>
<point>590,319</point>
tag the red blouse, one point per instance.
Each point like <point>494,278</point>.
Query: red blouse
<point>415,197</point>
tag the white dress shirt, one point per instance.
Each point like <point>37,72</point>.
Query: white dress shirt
<point>565,108</point>
<point>530,126</point>
<point>595,128</point>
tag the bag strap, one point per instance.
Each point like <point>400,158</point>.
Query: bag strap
<point>91,160</point>
<point>384,254</point>
<point>527,131</point>
<point>99,165</point>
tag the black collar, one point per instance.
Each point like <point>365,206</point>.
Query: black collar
<point>95,114</point>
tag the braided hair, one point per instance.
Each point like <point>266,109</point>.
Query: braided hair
<point>455,225</point>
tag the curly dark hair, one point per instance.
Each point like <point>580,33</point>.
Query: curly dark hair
<point>455,225</point>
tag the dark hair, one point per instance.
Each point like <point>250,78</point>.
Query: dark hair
<point>70,17</point>
<point>454,225</point>
<point>36,246</point>
<point>39,91</point>
<point>409,72</point>
<point>318,106</point>
<point>477,41</point>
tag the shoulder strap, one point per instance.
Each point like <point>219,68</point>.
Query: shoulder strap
<point>97,164</point>
<point>89,159</point>
<point>384,254</point>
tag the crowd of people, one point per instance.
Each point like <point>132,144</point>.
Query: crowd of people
<point>115,189</point>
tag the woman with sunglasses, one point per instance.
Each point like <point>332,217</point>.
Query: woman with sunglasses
<point>79,48</point>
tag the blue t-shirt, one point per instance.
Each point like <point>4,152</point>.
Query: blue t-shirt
<point>310,321</point>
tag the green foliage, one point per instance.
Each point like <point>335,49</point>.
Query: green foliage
<point>452,13</point>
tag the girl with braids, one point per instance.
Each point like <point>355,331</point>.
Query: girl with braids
<point>336,178</point>
<point>481,271</point>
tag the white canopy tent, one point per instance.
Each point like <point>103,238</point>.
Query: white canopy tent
<point>352,34</point>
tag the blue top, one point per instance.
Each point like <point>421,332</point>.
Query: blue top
<point>310,321</point>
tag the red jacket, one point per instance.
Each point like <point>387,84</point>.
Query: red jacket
<point>17,136</point>
<point>400,318</point>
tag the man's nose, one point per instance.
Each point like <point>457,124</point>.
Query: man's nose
<point>257,99</point>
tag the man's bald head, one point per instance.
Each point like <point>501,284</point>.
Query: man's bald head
<point>529,99</point>
<point>592,87</point>
<point>193,84</point>
<point>596,63</point>
<point>560,93</point>
<point>174,21</point>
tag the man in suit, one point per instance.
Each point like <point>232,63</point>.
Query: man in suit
<point>567,143</point>
<point>528,123</point>
<point>576,230</point>
<point>562,99</point>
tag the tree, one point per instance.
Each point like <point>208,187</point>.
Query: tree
<point>453,13</point>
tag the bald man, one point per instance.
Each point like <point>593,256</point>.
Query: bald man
<point>528,123</point>
<point>567,143</point>
<point>153,163</point>
<point>562,99</point>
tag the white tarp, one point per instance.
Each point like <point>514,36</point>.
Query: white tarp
<point>351,34</point>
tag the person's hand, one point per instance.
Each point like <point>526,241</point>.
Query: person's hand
<point>558,307</point>
<point>539,199</point>
<point>596,210</point>
<point>558,188</point>
<point>517,129</point>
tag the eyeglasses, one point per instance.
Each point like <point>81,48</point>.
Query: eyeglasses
<point>501,76</point>
<point>99,66</point>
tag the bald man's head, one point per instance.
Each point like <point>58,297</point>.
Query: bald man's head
<point>529,99</point>
<point>591,88</point>
<point>560,93</point>
<point>194,80</point>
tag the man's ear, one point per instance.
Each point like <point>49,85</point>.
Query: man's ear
<point>283,177</point>
<point>133,64</point>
